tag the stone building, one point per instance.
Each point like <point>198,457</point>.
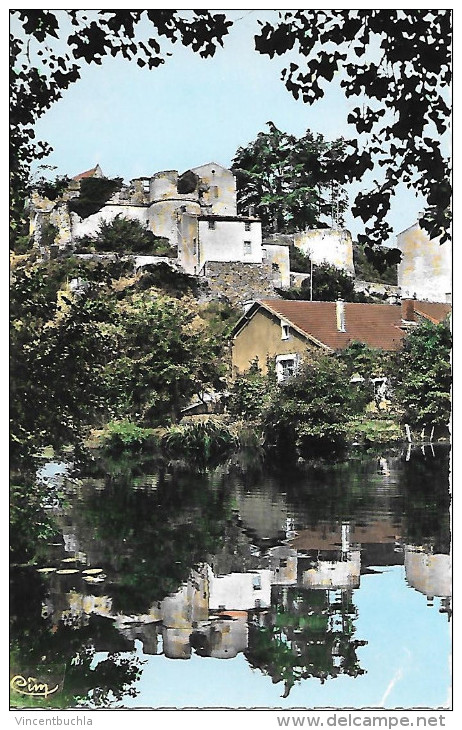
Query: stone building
<point>196,211</point>
<point>425,270</point>
<point>333,246</point>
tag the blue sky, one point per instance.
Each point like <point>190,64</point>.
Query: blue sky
<point>190,111</point>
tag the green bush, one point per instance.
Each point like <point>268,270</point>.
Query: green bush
<point>124,235</point>
<point>202,443</point>
<point>126,436</point>
<point>249,394</point>
<point>308,414</point>
<point>162,276</point>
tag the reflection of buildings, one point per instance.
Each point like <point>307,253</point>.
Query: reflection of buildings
<point>281,588</point>
<point>429,574</point>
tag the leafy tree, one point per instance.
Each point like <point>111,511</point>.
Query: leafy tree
<point>308,413</point>
<point>366,362</point>
<point>291,183</point>
<point>395,61</point>
<point>94,193</point>
<point>329,283</point>
<point>373,266</point>
<point>249,393</point>
<point>422,376</point>
<point>164,356</point>
<point>66,654</point>
<point>300,638</point>
<point>124,235</point>
<point>220,317</point>
<point>56,385</point>
<point>363,360</point>
<point>148,553</point>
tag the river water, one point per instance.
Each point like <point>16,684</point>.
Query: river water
<point>291,586</point>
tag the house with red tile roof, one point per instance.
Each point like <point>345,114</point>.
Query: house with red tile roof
<point>288,330</point>
<point>93,172</point>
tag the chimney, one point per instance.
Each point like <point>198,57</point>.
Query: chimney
<point>340,312</point>
<point>407,310</point>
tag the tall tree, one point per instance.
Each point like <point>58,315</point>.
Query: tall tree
<point>397,63</point>
<point>422,376</point>
<point>290,183</point>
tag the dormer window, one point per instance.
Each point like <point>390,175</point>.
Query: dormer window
<point>285,331</point>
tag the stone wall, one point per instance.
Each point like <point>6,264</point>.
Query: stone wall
<point>238,282</point>
<point>327,246</point>
<point>390,293</point>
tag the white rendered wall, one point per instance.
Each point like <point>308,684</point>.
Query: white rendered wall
<point>89,226</point>
<point>236,591</point>
<point>425,269</point>
<point>327,246</point>
<point>225,242</point>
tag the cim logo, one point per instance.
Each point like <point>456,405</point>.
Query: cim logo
<point>32,687</point>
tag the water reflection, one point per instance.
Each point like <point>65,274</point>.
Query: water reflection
<point>217,565</point>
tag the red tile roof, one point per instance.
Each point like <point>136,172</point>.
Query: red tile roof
<point>376,325</point>
<point>434,311</point>
<point>87,173</point>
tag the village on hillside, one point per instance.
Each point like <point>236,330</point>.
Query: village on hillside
<point>231,384</point>
<point>196,214</point>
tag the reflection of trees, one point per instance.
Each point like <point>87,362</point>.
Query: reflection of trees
<point>425,499</point>
<point>305,634</point>
<point>147,541</point>
<point>324,492</point>
<point>38,647</point>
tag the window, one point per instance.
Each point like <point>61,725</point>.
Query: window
<point>212,225</point>
<point>247,247</point>
<point>285,331</point>
<point>380,388</point>
<point>247,225</point>
<point>214,191</point>
<point>146,186</point>
<point>256,582</point>
<point>286,367</point>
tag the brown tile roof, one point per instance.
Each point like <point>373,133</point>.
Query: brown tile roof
<point>434,311</point>
<point>87,173</point>
<point>377,325</point>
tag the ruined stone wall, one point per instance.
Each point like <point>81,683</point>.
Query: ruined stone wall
<point>392,294</point>
<point>238,282</point>
<point>327,245</point>
<point>218,196</point>
<point>89,225</point>
<point>279,256</point>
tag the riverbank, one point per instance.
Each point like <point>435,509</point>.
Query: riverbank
<point>116,437</point>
